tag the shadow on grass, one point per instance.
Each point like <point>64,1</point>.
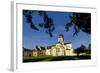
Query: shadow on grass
<point>56,58</point>
<point>34,59</point>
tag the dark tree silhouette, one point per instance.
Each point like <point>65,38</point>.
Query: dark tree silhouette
<point>89,46</point>
<point>47,21</point>
<point>80,22</point>
<point>79,50</point>
<point>88,50</point>
<point>28,15</point>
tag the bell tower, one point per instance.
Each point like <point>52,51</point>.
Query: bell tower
<point>61,39</point>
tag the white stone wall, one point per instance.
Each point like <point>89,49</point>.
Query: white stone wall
<point>35,53</point>
<point>53,51</point>
<point>68,49</point>
<point>58,50</point>
<point>27,53</point>
<point>48,52</point>
<point>68,46</point>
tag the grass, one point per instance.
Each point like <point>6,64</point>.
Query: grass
<point>54,58</point>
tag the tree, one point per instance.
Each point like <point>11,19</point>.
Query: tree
<point>80,22</point>
<point>88,50</point>
<point>47,21</point>
<point>79,50</point>
<point>89,46</point>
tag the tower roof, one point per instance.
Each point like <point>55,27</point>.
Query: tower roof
<point>61,35</point>
<point>68,43</point>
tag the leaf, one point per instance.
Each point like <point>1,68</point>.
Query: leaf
<point>41,24</point>
<point>34,27</point>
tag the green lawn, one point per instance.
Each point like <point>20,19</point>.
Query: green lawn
<point>54,58</point>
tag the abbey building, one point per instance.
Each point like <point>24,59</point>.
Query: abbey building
<point>59,49</point>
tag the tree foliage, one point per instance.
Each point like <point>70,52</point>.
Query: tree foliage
<point>88,50</point>
<point>83,49</point>
<point>47,21</point>
<point>80,22</point>
<point>79,50</point>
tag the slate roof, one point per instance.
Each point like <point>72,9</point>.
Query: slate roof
<point>67,43</point>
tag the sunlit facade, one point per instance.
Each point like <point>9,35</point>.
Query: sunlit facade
<point>59,49</point>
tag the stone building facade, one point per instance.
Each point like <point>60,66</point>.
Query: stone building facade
<point>59,49</point>
<point>27,52</point>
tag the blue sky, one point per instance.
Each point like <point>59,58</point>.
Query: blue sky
<point>31,37</point>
